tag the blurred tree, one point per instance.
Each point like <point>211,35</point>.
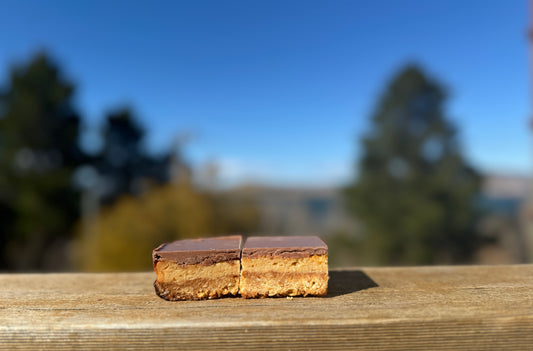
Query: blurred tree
<point>233,212</point>
<point>147,201</point>
<point>415,193</point>
<point>123,163</point>
<point>127,231</point>
<point>39,130</point>
<point>42,169</point>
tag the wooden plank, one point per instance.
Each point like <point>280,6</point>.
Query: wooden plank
<point>420,308</point>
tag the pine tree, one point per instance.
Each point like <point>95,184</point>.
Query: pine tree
<point>123,163</point>
<point>415,194</point>
<point>39,130</point>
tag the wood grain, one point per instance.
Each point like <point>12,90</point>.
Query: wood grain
<point>419,308</point>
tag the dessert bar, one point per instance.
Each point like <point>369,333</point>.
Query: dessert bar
<point>196,269</point>
<point>284,266</point>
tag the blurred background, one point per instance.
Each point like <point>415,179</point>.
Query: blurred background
<point>397,131</point>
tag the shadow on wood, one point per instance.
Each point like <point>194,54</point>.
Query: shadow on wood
<point>346,282</point>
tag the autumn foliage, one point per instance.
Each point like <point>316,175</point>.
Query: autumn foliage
<point>123,235</point>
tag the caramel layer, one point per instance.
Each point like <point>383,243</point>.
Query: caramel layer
<point>310,264</point>
<point>170,271</point>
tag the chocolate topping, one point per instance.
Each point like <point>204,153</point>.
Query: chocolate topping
<point>200,251</point>
<point>284,246</point>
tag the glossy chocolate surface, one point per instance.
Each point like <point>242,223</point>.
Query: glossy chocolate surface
<point>200,251</point>
<point>284,246</point>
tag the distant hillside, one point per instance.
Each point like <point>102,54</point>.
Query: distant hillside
<point>308,210</point>
<point>506,186</point>
<point>504,193</point>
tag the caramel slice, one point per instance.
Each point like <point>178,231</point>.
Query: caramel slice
<point>197,269</point>
<point>284,266</point>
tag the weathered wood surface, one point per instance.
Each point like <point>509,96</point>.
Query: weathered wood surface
<point>422,308</point>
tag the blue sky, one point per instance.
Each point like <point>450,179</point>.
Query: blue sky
<point>281,91</point>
